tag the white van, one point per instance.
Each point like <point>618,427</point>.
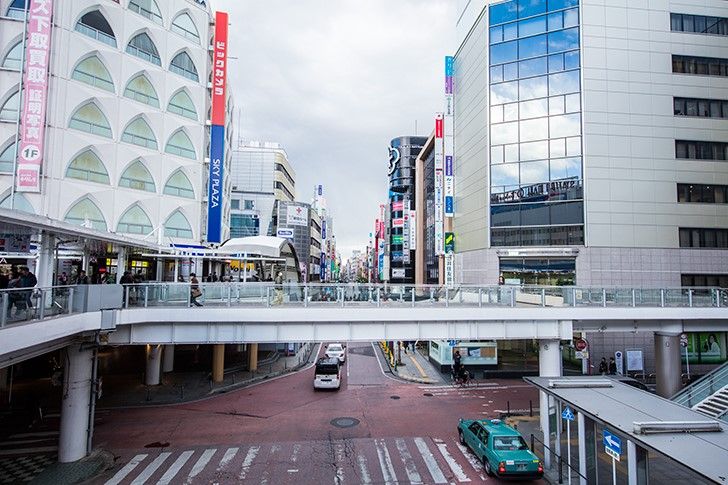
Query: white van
<point>327,374</point>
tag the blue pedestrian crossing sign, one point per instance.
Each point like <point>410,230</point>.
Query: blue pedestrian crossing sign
<point>612,444</point>
<point>452,343</point>
<point>567,414</point>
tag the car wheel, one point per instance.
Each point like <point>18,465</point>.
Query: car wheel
<point>486,465</point>
<point>461,437</point>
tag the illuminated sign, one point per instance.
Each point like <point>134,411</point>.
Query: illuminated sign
<point>219,68</point>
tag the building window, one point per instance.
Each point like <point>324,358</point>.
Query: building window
<point>92,71</point>
<point>249,205</point>
<point>177,225</point>
<point>134,221</point>
<point>280,186</point>
<point>17,9</point>
<point>180,144</point>
<point>86,214</point>
<point>706,194</point>
<point>11,108</point>
<point>705,280</point>
<point>185,26</point>
<point>702,66</point>
<point>703,238</point>
<point>90,119</point>
<point>141,89</point>
<point>179,185</point>
<point>138,132</point>
<point>235,204</point>
<point>282,169</point>
<point>182,64</point>
<point>148,9</point>
<point>12,58</point>
<point>142,47</point>
<point>137,177</point>
<point>701,150</point>
<point>244,225</point>
<point>89,167</point>
<point>698,24</point>
<point>7,158</point>
<point>702,108</point>
<point>182,104</point>
<point>94,25</point>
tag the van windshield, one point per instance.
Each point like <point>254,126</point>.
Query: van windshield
<point>327,369</point>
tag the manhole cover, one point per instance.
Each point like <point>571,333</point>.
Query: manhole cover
<point>394,397</point>
<point>345,422</point>
<point>427,394</point>
<point>157,444</point>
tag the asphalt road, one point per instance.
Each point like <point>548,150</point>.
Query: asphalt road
<point>282,431</point>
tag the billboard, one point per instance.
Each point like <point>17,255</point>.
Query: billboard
<point>439,185</point>
<point>285,232</point>
<point>215,184</point>
<point>413,230</point>
<point>449,138</point>
<point>296,215</point>
<point>31,147</point>
<point>219,68</point>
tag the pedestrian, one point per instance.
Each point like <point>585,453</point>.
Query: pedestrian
<point>27,280</point>
<point>414,343</point>
<point>138,277</point>
<point>501,280</point>
<point>457,362</point>
<point>405,344</point>
<point>195,290</point>
<point>214,277</point>
<point>13,296</point>
<point>63,279</point>
<point>603,366</point>
<point>82,278</point>
<point>612,366</point>
<point>4,280</point>
<point>126,279</point>
<point>103,279</point>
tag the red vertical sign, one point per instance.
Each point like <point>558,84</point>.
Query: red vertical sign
<point>438,127</point>
<point>219,68</point>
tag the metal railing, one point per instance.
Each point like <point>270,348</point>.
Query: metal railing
<point>24,304</point>
<point>703,387</point>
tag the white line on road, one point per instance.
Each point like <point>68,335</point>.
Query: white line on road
<point>430,461</point>
<point>385,462</point>
<point>227,457</point>
<point>201,464</point>
<point>366,479</point>
<point>477,466</point>
<point>339,478</point>
<point>175,468</point>
<point>409,465</point>
<point>121,474</point>
<point>454,466</point>
<point>296,450</point>
<point>142,478</point>
<point>252,453</point>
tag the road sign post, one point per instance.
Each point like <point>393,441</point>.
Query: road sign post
<point>568,415</point>
<point>613,448</point>
<point>684,344</point>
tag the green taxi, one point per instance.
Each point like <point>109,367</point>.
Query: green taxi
<point>500,448</point>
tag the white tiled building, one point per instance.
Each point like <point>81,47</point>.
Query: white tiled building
<point>128,108</point>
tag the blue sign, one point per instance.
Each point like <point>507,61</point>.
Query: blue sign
<point>567,414</point>
<point>448,166</point>
<point>215,184</point>
<point>452,343</point>
<point>323,266</point>
<point>323,228</point>
<point>449,209</point>
<point>320,190</point>
<point>612,444</point>
<point>449,65</point>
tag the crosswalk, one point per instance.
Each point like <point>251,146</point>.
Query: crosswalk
<point>413,460</point>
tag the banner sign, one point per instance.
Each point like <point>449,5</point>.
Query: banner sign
<point>35,95</point>
<point>450,270</point>
<point>285,232</point>
<point>215,184</point>
<point>439,185</point>
<point>406,234</point>
<point>413,230</point>
<point>449,68</point>
<point>322,268</point>
<point>219,68</point>
<point>397,206</point>
<point>449,242</point>
<point>398,222</point>
<point>323,230</point>
<point>296,215</point>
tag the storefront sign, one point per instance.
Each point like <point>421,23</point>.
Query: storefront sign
<point>285,232</point>
<point>413,230</point>
<point>219,68</point>
<point>450,270</point>
<point>449,242</point>
<point>296,215</point>
<point>215,186</point>
<point>538,192</point>
<point>11,243</point>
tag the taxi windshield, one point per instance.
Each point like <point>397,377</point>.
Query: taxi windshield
<point>509,443</point>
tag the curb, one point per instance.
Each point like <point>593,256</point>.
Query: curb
<point>418,380</point>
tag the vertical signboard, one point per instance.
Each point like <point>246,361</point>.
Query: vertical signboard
<point>439,186</point>
<point>217,130</point>
<point>406,233</point>
<point>413,230</point>
<point>30,151</point>
<point>448,138</point>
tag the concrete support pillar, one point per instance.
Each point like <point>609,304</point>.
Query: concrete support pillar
<point>668,365</point>
<point>168,359</point>
<point>75,404</point>
<point>120,264</point>
<point>218,362</point>
<point>154,365</point>
<point>85,259</point>
<point>160,269</point>
<point>549,365</point>
<point>46,262</point>
<point>252,357</point>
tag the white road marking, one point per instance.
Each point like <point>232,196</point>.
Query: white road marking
<point>252,453</point>
<point>121,474</point>
<point>477,466</point>
<point>201,463</point>
<point>175,468</point>
<point>385,462</point>
<point>296,450</point>
<point>142,478</point>
<point>479,385</point>
<point>409,465</point>
<point>363,471</point>
<point>339,478</point>
<point>266,472</point>
<point>454,466</point>
<point>430,461</point>
<point>227,457</point>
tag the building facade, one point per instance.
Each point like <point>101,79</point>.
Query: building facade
<point>300,223</point>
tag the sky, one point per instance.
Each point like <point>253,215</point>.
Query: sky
<point>334,81</point>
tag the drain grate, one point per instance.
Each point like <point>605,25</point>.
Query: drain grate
<point>344,422</point>
<point>394,397</point>
<point>427,394</point>
<point>157,444</point>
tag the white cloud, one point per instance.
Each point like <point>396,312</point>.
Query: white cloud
<point>334,81</point>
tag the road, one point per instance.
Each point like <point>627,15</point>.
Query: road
<point>282,431</point>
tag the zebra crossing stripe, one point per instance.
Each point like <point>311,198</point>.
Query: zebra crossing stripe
<point>201,464</point>
<point>227,458</point>
<point>366,479</point>
<point>121,474</point>
<point>252,453</point>
<point>454,466</point>
<point>175,468</point>
<point>477,466</point>
<point>385,462</point>
<point>150,469</point>
<point>430,461</point>
<point>409,464</point>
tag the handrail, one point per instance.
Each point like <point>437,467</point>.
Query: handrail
<point>561,462</point>
<point>703,387</point>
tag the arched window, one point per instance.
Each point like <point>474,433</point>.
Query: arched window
<point>185,26</point>
<point>182,64</point>
<point>179,185</point>
<point>21,204</point>
<point>9,109</point>
<point>17,8</point>
<point>137,177</point>
<point>177,225</point>
<point>88,166</point>
<point>86,214</point>
<point>143,47</point>
<point>12,58</point>
<point>90,119</point>
<point>179,144</point>
<point>139,133</point>
<point>7,158</point>
<point>182,104</point>
<point>140,89</point>
<point>134,221</point>
<point>148,9</point>
<point>94,25</point>
<point>93,72</point>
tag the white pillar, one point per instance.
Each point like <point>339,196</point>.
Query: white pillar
<point>120,264</point>
<point>45,267</point>
<point>668,364</point>
<point>75,404</point>
<point>160,269</point>
<point>637,464</point>
<point>168,359</point>
<point>154,365</point>
<point>549,365</point>
<point>582,447</point>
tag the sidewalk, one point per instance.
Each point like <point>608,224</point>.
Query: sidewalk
<point>414,367</point>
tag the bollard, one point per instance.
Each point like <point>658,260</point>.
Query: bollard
<point>149,397</point>
<point>508,408</point>
<point>530,408</point>
<point>533,443</point>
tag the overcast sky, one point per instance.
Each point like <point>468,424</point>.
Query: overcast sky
<point>334,81</point>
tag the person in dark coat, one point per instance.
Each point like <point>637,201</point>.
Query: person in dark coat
<point>603,366</point>
<point>612,366</point>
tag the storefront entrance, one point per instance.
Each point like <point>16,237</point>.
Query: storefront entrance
<point>539,271</point>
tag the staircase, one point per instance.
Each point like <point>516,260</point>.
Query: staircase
<point>708,395</point>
